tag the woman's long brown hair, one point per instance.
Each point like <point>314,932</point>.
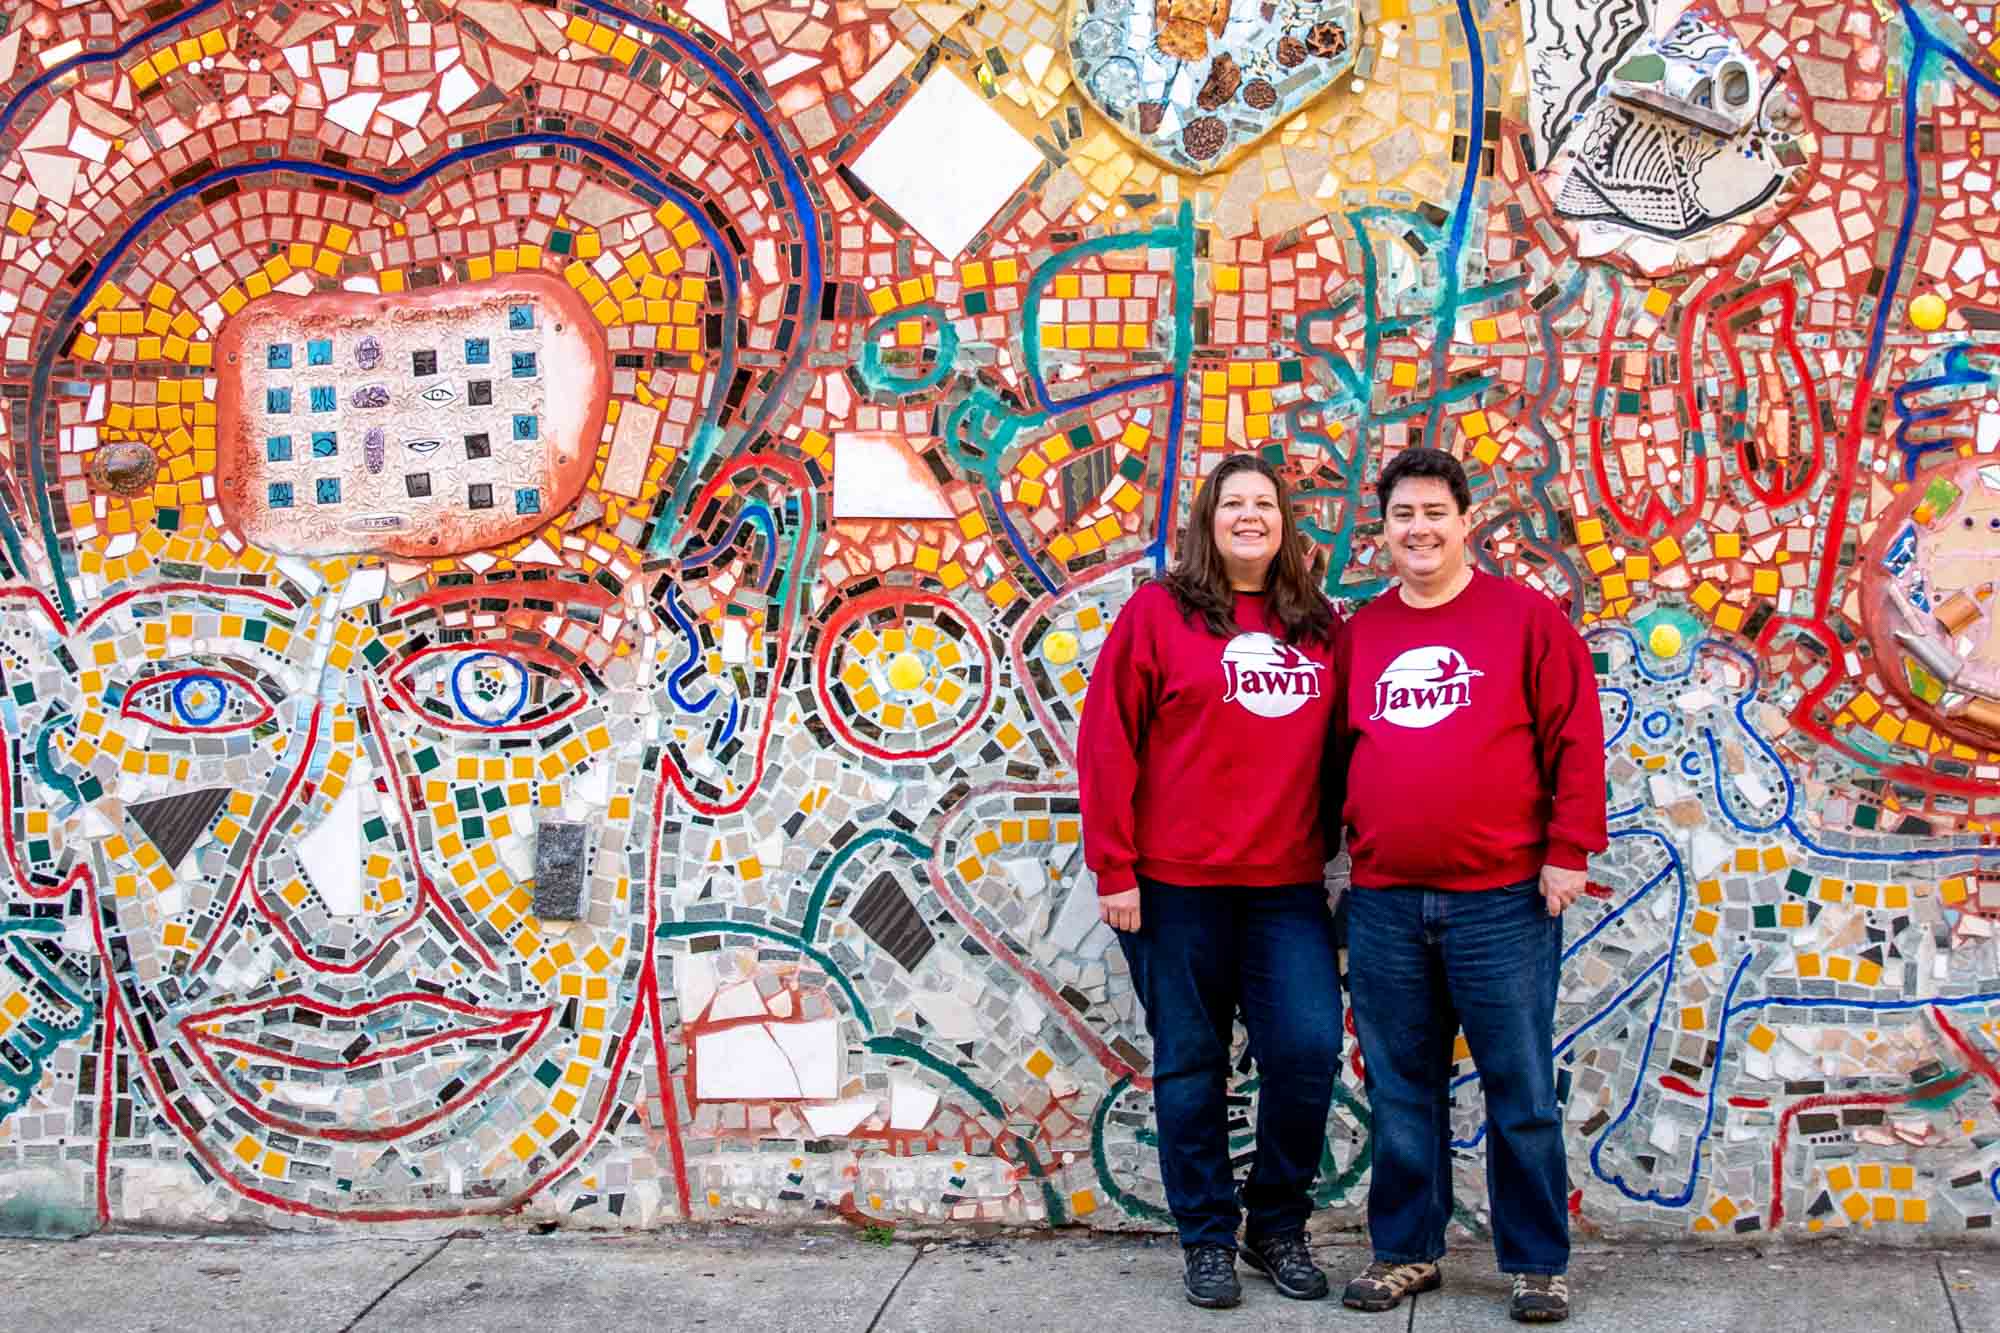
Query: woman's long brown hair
<point>1200,584</point>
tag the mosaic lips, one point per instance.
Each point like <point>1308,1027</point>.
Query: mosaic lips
<point>275,1058</point>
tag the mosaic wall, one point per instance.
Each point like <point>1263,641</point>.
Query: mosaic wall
<point>552,554</point>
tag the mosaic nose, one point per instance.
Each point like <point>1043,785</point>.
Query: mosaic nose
<point>346,878</point>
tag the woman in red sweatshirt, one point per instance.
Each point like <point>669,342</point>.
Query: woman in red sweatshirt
<point>1201,758</point>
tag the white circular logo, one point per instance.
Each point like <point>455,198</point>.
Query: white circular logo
<point>1422,687</point>
<point>1267,677</point>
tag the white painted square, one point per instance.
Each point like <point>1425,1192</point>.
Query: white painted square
<point>946,162</point>
<point>877,474</point>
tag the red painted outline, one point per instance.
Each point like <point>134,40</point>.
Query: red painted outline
<point>154,591</point>
<point>223,1170</point>
<point>250,861</point>
<point>1775,1215</point>
<point>503,1021</point>
<point>125,708</point>
<point>861,606</point>
<point>1787,334</point>
<point>1107,1058</point>
<point>505,648</point>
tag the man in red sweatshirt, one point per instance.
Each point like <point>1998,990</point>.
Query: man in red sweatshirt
<point>1467,711</point>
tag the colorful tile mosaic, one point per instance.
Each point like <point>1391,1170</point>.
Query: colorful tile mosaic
<point>553,553</point>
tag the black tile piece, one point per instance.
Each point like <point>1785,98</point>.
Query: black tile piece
<point>174,823</point>
<point>890,919</point>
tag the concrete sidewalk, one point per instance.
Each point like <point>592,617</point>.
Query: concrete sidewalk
<point>503,1279</point>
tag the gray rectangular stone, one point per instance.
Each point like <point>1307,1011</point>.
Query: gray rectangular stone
<point>560,846</point>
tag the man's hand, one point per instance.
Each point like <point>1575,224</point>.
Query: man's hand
<point>1561,887</point>
<point>1120,911</point>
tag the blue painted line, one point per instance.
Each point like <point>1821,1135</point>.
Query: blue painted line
<point>392,187</point>
<point>693,662</point>
<point>1870,1006</point>
<point>1475,135</point>
<point>1021,549</point>
<point>1617,1002</point>
<point>1058,406</point>
<point>758,513</point>
<point>729,724</point>
<point>458,690</point>
<point>1624,723</point>
<point>795,190</point>
<point>110,54</point>
<point>1923,45</point>
<point>1958,371</point>
<point>1788,821</point>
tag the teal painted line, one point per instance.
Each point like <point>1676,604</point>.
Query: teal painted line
<point>1335,1184</point>
<point>684,929</point>
<point>879,378</point>
<point>35,1038</point>
<point>901,1049</point>
<point>45,762</point>
<point>1470,388</point>
<point>980,453</point>
<point>698,453</point>
<point>1177,236</point>
<point>1133,1205</point>
<point>816,906</point>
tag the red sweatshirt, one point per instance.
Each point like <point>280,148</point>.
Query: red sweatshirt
<point>1474,741</point>
<point>1201,758</point>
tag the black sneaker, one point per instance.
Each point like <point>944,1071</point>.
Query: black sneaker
<point>1540,1298</point>
<point>1288,1263</point>
<point>1210,1277</point>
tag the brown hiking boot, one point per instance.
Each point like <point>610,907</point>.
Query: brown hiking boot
<point>1382,1286</point>
<point>1540,1298</point>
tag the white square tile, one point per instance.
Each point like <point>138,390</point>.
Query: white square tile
<point>946,162</point>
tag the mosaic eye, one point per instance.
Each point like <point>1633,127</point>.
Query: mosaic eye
<point>207,701</point>
<point>467,687</point>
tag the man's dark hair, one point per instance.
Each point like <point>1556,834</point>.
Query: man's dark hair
<point>1424,462</point>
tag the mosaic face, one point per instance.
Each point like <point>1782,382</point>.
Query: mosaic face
<point>319,876</point>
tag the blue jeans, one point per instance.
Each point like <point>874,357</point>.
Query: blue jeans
<point>1421,964</point>
<point>1199,954</point>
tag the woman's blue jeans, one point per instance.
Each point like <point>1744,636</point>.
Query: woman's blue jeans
<point>1421,965</point>
<point>1198,956</point>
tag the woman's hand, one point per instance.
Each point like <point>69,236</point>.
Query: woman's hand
<point>1120,911</point>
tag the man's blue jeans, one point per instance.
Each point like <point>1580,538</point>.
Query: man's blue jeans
<point>1199,954</point>
<point>1421,964</point>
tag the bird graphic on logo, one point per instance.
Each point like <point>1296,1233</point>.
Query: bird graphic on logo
<point>1423,686</point>
<point>1452,668</point>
